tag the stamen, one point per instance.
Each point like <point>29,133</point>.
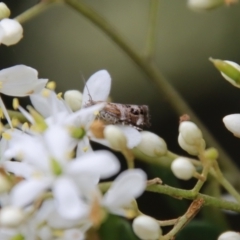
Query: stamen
<point>51,85</point>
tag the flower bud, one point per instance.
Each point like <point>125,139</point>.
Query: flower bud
<point>202,5</point>
<point>13,31</point>
<point>73,99</point>
<point>232,123</point>
<point>115,137</point>
<point>229,235</point>
<point>146,228</point>
<point>190,132</point>
<point>182,168</point>
<point>11,216</point>
<point>191,149</point>
<point>152,145</point>
<point>229,70</point>
<point>4,11</point>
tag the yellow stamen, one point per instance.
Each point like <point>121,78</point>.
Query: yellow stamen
<point>45,93</point>
<point>25,127</point>
<point>15,122</point>
<point>51,85</point>
<point>1,114</point>
<point>15,103</point>
<point>96,113</point>
<point>85,149</point>
<point>6,136</point>
<point>59,95</point>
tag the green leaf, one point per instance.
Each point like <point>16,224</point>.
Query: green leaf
<point>199,230</point>
<point>116,228</point>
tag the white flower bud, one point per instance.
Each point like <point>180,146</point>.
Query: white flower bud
<point>152,145</point>
<point>229,70</point>
<point>73,99</point>
<point>190,132</point>
<point>191,149</point>
<point>146,228</point>
<point>4,11</point>
<point>201,5</point>
<point>182,168</point>
<point>11,216</point>
<point>13,31</point>
<point>115,137</point>
<point>230,78</point>
<point>232,123</point>
<point>229,235</point>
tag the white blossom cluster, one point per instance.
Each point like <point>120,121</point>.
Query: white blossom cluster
<point>57,189</point>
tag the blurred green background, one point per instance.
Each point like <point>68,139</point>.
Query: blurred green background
<point>61,44</point>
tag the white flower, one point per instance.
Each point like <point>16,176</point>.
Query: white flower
<point>146,228</point>
<point>152,145</point>
<point>19,81</point>
<point>201,5</point>
<point>232,123</point>
<point>182,168</point>
<point>229,235</point>
<point>129,185</point>
<point>11,31</point>
<point>56,171</point>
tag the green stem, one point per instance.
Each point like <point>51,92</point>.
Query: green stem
<point>225,183</point>
<point>34,11</point>
<point>164,161</point>
<point>152,29</point>
<point>18,115</point>
<point>187,194</point>
<point>151,70</point>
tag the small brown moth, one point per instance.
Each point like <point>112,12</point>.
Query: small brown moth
<point>126,114</point>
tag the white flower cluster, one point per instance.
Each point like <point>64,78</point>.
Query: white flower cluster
<point>59,190</point>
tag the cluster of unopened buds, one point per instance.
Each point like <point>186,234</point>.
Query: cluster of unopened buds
<point>50,175</point>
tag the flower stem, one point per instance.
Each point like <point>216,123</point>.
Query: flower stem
<point>183,220</point>
<point>224,182</point>
<point>187,194</point>
<point>151,70</point>
<point>152,29</point>
<point>34,11</point>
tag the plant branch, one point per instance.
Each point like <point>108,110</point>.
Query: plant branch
<point>34,11</point>
<point>152,29</point>
<point>186,194</point>
<point>151,70</point>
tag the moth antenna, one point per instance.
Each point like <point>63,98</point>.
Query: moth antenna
<point>85,83</point>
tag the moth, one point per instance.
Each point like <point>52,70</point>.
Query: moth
<point>126,114</point>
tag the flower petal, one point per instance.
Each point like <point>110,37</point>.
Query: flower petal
<point>133,135</point>
<point>102,163</point>
<point>27,191</point>
<point>69,204</point>
<point>98,87</point>
<point>128,185</point>
<point>20,81</point>
<point>21,169</point>
<point>48,105</point>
